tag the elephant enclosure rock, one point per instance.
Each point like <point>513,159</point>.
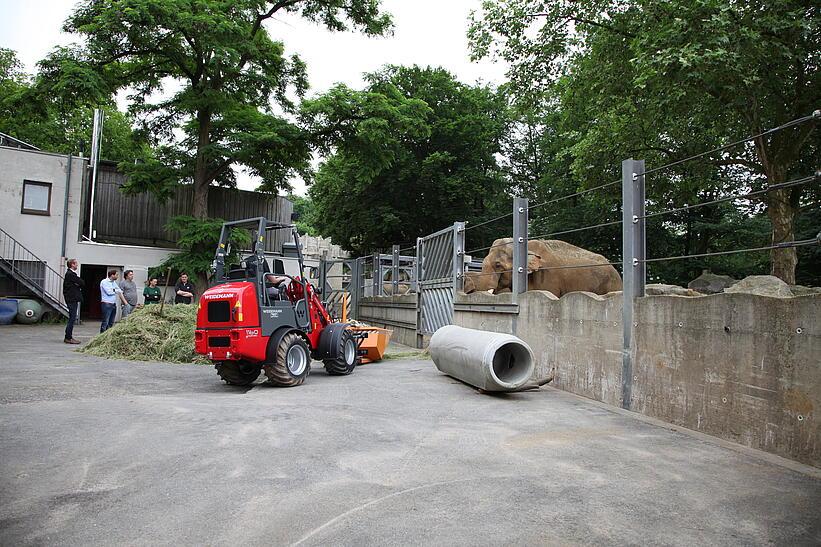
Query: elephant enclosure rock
<point>552,265</point>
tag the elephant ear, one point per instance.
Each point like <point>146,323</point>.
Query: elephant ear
<point>533,262</point>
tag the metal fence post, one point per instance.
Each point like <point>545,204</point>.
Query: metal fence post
<point>633,271</point>
<point>377,275</point>
<point>519,273</point>
<point>354,286</point>
<point>323,278</point>
<point>458,256</point>
<point>419,296</point>
<point>395,270</point>
<point>639,232</point>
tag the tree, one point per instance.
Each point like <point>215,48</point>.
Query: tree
<point>305,211</point>
<point>668,79</point>
<point>198,239</point>
<point>408,155</point>
<point>206,71</point>
<point>52,125</point>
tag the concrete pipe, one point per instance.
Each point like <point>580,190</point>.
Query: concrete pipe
<point>491,361</point>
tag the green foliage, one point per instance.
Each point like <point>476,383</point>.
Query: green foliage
<point>198,241</point>
<point>305,210</point>
<point>205,69</point>
<point>410,154</point>
<point>50,124</point>
<point>662,81</point>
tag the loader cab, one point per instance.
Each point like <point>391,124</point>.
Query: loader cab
<point>275,310</point>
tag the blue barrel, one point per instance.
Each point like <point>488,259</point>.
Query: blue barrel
<point>8,309</point>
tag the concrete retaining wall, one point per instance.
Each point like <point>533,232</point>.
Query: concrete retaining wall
<point>397,313</point>
<point>742,367</point>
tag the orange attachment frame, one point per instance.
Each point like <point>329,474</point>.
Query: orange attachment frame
<point>375,344</point>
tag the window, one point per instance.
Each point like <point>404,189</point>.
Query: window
<point>36,198</point>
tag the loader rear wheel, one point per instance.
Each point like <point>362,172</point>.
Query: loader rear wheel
<point>346,358</point>
<point>290,363</point>
<point>238,373</point>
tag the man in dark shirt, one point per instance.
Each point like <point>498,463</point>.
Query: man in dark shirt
<point>73,295</point>
<point>184,290</point>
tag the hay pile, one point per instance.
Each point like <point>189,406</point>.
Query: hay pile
<point>145,335</point>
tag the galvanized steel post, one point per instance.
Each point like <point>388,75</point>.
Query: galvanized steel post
<point>395,270</point>
<point>458,257</point>
<point>519,273</point>
<point>419,265</point>
<point>377,275</point>
<point>633,266</point>
<point>639,232</point>
<point>356,284</point>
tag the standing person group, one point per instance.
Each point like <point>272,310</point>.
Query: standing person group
<point>113,292</point>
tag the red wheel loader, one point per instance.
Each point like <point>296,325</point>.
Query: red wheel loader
<point>253,319</point>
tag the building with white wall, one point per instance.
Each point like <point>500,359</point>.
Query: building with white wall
<point>45,218</point>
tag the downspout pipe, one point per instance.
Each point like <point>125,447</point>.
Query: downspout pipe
<point>65,205</point>
<point>490,361</point>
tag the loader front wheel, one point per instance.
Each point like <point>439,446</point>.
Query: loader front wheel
<point>346,358</point>
<point>238,373</point>
<point>289,363</point>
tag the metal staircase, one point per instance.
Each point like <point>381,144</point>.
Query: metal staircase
<point>37,276</point>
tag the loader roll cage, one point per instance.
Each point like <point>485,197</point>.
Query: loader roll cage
<point>259,227</point>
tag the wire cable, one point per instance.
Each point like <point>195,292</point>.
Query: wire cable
<point>798,121</point>
<point>488,247</point>
<point>784,245</point>
<point>603,224</point>
<point>546,268</point>
<point>580,193</point>
<point>779,186</point>
<point>472,226</point>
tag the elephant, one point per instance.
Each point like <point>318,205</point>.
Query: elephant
<point>543,256</point>
<point>401,288</point>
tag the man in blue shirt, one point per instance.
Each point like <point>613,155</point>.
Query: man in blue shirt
<point>110,292</point>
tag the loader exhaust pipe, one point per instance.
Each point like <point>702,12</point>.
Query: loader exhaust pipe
<point>491,361</point>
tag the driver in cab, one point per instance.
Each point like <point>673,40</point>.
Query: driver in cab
<point>276,285</point>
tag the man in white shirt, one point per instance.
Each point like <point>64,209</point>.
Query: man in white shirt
<point>110,292</point>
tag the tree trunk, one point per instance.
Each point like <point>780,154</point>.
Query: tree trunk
<point>199,207</point>
<point>782,217</point>
<point>782,211</point>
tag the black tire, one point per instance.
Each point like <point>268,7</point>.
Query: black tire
<point>290,362</point>
<point>238,373</point>
<point>346,357</point>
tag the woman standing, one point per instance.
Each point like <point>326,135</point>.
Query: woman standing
<point>152,293</point>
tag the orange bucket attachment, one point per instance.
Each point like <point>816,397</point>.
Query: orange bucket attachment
<point>374,344</point>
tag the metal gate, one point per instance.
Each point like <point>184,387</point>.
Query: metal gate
<point>348,272</point>
<point>440,272</point>
<point>393,274</point>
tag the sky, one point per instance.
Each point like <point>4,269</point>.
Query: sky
<point>426,32</point>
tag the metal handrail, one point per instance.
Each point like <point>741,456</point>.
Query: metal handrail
<point>49,286</point>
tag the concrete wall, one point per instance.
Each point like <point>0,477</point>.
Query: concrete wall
<point>741,367</point>
<point>397,313</point>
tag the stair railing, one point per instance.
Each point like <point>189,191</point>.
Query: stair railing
<point>24,264</point>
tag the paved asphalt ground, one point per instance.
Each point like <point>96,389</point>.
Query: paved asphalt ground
<point>113,452</point>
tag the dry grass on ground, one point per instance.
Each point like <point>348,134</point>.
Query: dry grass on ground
<point>145,335</point>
